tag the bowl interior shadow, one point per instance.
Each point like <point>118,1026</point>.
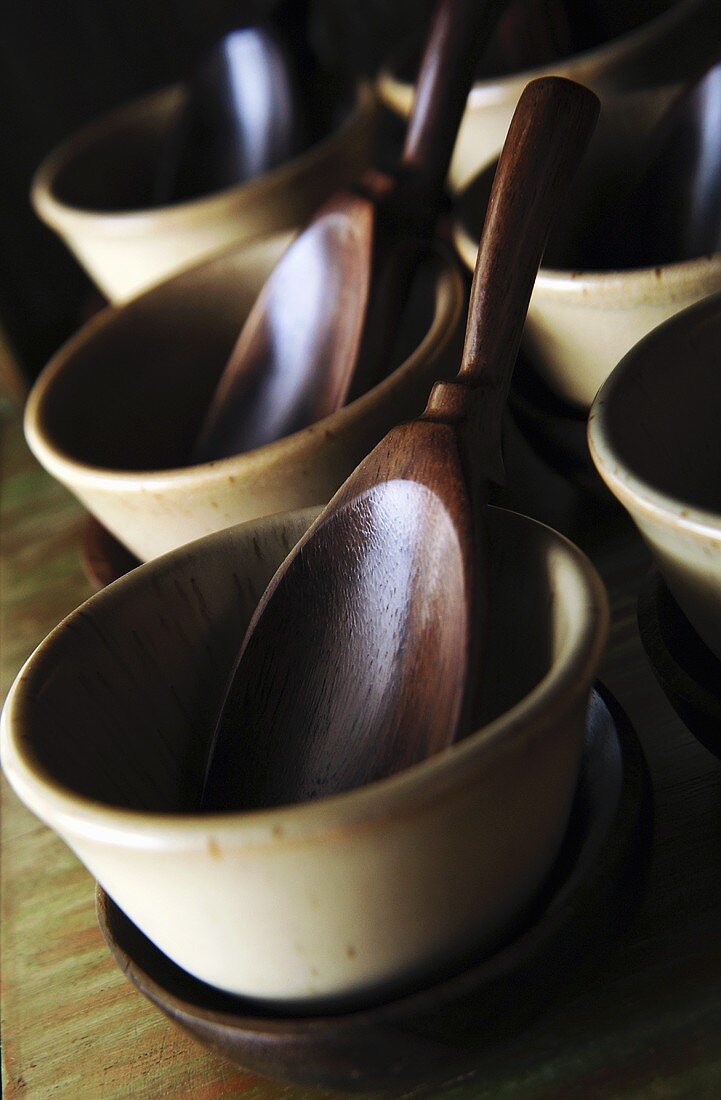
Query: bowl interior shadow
<point>662,409</point>
<point>116,169</point>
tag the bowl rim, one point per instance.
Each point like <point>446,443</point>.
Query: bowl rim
<point>449,290</point>
<point>618,288</point>
<point>496,90</point>
<point>413,790</point>
<point>362,104</point>
<point>634,491</point>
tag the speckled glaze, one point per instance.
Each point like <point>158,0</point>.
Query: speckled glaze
<point>654,436</point>
<point>105,733</point>
<point>669,47</point>
<point>126,251</point>
<point>114,413</point>
<point>581,323</point>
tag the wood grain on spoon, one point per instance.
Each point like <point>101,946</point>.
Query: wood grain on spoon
<point>322,328</point>
<point>362,657</point>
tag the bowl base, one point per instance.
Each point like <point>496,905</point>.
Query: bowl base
<point>449,1025</point>
<point>686,669</point>
<point>104,558</point>
<point>555,431</point>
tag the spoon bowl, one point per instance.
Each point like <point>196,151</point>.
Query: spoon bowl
<point>389,619</point>
<point>275,382</point>
<point>242,117</point>
<point>673,212</point>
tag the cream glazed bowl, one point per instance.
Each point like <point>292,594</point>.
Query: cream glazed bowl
<point>654,435</point>
<point>582,321</point>
<point>92,190</point>
<point>105,734</point>
<point>114,413</point>
<point>671,46</point>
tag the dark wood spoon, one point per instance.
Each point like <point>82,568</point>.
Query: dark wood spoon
<point>362,657</point>
<point>673,210</point>
<point>244,113</point>
<point>677,207</point>
<point>322,327</point>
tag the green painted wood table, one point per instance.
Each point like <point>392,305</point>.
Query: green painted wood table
<point>646,1024</point>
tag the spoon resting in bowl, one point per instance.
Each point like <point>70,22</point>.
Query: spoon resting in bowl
<point>673,211</point>
<point>320,331</point>
<point>244,114</point>
<point>363,655</point>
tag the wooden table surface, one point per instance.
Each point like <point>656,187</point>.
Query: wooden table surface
<point>646,1024</point>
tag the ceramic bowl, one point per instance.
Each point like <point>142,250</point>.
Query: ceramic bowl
<point>114,413</point>
<point>582,322</point>
<point>654,436</point>
<point>92,191</point>
<point>457,1024</point>
<point>670,46</point>
<point>105,734</point>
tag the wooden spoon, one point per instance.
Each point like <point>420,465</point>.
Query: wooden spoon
<point>362,656</point>
<point>243,116</point>
<point>325,319</point>
<point>674,210</point>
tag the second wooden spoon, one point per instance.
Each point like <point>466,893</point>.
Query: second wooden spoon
<point>323,324</point>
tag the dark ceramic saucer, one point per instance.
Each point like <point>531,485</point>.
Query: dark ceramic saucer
<point>555,431</point>
<point>104,558</point>
<point>686,669</point>
<point>446,1027</point>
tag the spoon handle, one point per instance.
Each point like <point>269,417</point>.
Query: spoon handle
<point>459,32</point>
<point>546,140</point>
